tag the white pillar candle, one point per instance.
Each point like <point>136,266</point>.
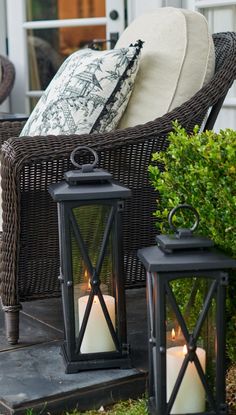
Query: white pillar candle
<point>97,336</point>
<point>191,394</point>
<point>81,290</point>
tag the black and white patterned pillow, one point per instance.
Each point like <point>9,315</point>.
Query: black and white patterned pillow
<point>89,93</point>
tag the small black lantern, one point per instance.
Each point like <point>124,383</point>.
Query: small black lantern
<point>90,206</point>
<point>186,289</point>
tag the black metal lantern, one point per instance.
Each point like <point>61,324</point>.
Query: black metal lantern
<point>186,285</point>
<point>90,205</point>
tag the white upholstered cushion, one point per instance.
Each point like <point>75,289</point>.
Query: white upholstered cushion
<point>177,60</point>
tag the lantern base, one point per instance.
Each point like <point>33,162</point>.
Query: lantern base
<point>122,362</point>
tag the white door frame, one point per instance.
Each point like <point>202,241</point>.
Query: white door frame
<point>221,17</point>
<point>3,44</point>
<point>17,53</point>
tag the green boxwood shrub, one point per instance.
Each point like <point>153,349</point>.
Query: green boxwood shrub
<point>200,169</point>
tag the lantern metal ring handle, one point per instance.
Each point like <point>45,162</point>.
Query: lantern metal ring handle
<point>85,167</point>
<point>180,207</point>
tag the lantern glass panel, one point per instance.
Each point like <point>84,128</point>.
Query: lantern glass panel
<point>191,312</point>
<point>91,221</point>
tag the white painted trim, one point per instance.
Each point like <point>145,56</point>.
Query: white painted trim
<point>137,7</point>
<point>4,107</point>
<point>173,3</point>
<point>18,54</point>
<point>34,94</point>
<point>230,102</point>
<point>130,11</point>
<point>3,28</point>
<point>118,25</point>
<point>51,24</point>
<point>203,4</point>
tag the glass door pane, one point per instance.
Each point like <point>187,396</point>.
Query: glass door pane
<point>61,9</point>
<point>43,33</point>
<point>48,47</point>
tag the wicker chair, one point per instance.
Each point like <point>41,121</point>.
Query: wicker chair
<point>8,78</point>
<point>29,256</point>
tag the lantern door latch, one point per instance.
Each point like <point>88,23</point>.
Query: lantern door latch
<point>224,278</point>
<point>121,206</point>
<point>126,348</point>
<point>152,341</point>
<point>61,278</point>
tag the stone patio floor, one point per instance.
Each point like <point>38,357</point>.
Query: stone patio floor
<point>32,373</point>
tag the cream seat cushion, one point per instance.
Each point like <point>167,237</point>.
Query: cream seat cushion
<point>177,60</point>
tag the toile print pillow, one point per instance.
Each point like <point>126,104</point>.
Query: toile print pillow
<point>88,94</point>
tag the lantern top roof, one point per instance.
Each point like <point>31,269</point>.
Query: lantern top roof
<point>184,251</point>
<point>156,260</point>
<point>170,243</point>
<point>90,190</point>
<point>75,177</point>
<point>87,182</point>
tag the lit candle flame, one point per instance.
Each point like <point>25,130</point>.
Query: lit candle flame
<point>87,279</point>
<point>185,350</point>
<point>173,334</point>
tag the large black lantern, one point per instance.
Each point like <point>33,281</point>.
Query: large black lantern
<point>186,290</point>
<point>90,206</point>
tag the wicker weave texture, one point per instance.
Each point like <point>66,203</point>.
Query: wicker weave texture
<point>29,257</point>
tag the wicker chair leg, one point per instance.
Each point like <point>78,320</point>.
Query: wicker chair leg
<point>12,326</point>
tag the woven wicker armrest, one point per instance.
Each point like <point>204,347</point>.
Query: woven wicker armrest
<point>44,147</point>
